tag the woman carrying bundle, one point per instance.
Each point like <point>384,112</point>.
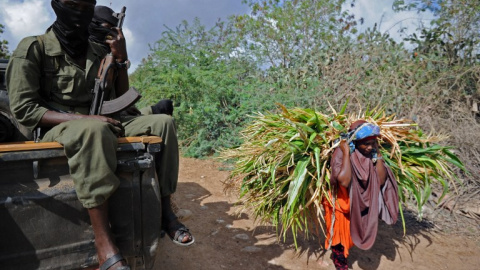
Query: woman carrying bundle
<point>363,190</point>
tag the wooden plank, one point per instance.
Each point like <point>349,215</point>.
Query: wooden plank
<point>145,139</point>
<point>31,145</point>
<point>28,145</point>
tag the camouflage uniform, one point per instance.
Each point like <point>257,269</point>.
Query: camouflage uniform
<point>40,75</point>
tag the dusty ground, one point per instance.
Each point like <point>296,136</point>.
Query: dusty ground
<point>225,240</point>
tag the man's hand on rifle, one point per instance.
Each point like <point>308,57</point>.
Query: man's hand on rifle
<point>116,124</point>
<point>112,74</point>
<point>117,45</point>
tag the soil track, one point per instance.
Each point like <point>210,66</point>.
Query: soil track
<point>225,240</point>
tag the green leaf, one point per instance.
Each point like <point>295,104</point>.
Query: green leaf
<point>297,181</point>
<point>337,126</point>
<point>344,107</point>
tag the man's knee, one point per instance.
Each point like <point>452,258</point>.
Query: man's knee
<point>160,123</point>
<point>92,127</point>
<point>161,118</point>
<point>164,125</point>
<point>85,130</point>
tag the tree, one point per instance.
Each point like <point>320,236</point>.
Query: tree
<point>455,31</point>
<point>3,45</point>
<point>287,33</point>
<point>202,71</point>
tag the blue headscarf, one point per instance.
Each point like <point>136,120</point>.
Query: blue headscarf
<point>362,132</point>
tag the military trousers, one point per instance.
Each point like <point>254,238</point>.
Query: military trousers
<point>90,146</point>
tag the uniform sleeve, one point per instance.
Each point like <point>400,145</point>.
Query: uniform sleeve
<point>23,83</point>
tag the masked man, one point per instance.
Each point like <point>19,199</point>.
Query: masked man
<point>102,31</point>
<point>49,80</point>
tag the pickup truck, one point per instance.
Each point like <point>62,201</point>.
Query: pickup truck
<point>42,223</point>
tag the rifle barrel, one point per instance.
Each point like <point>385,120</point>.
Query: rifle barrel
<point>120,16</point>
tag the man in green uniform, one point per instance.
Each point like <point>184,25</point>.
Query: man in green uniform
<point>102,31</point>
<point>49,80</point>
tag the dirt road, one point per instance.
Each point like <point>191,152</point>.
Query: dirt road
<point>224,240</point>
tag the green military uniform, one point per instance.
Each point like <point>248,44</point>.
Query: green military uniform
<point>41,76</point>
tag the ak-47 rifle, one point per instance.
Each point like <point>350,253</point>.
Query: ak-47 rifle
<point>105,81</point>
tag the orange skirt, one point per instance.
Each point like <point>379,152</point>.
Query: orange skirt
<point>341,226</point>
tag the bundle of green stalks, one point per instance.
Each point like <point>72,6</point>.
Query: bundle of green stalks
<point>282,169</point>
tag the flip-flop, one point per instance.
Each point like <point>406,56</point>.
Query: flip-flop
<point>113,260</point>
<point>180,233</point>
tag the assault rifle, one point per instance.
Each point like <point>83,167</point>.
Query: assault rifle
<point>105,81</point>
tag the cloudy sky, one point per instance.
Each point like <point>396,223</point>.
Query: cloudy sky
<point>145,19</point>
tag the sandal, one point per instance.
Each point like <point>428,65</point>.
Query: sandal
<point>113,260</point>
<point>180,234</point>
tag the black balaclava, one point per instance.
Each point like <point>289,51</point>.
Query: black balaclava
<point>97,32</point>
<point>71,27</point>
<point>164,106</point>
